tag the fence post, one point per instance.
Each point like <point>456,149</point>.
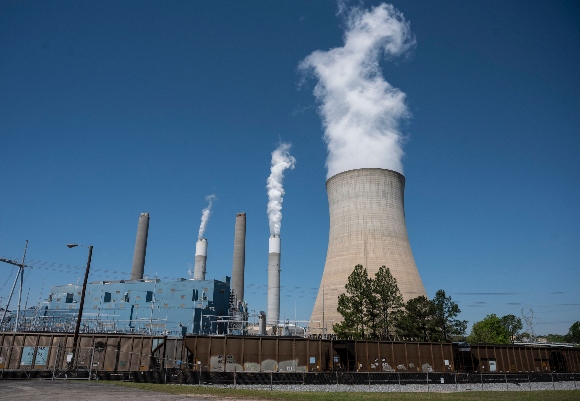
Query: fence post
<point>455,381</point>
<point>399,376</point>
<point>530,381</point>
<point>481,378</point>
<point>428,389</point>
<point>271,380</point>
<point>369,378</point>
<point>235,384</point>
<point>506,383</point>
<point>336,379</point>
<point>553,385</point>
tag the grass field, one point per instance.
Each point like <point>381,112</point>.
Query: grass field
<point>561,395</point>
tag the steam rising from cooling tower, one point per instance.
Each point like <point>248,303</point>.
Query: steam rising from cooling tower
<point>281,160</point>
<point>140,247</point>
<point>205,213</point>
<point>360,110</point>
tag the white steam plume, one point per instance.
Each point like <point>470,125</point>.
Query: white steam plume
<point>205,213</point>
<point>281,160</point>
<point>360,110</point>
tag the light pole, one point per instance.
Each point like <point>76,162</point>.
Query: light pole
<point>80,316</point>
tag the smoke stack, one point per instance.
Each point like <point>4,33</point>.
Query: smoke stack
<point>140,247</point>
<point>200,259</point>
<point>273,315</point>
<point>239,259</point>
<point>367,226</point>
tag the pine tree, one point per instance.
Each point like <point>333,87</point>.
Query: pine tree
<point>388,303</point>
<point>417,321</point>
<point>445,322</point>
<point>353,306</point>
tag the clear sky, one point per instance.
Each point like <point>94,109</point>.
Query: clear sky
<point>109,109</point>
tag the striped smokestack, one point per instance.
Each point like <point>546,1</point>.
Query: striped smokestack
<point>200,259</point>
<point>140,247</point>
<point>273,280</point>
<point>239,260</point>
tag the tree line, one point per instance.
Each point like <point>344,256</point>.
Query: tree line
<point>373,309</point>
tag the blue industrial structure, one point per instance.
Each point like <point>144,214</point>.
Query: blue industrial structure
<point>147,306</point>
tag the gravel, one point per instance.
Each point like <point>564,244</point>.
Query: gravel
<point>386,388</point>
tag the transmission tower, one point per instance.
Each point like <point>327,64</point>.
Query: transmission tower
<point>528,315</point>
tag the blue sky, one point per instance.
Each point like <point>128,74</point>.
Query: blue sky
<point>109,109</point>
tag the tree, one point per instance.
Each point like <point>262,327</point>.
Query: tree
<point>417,320</point>
<point>513,325</point>
<point>445,321</point>
<point>573,335</point>
<point>353,306</point>
<point>388,301</point>
<point>490,330</point>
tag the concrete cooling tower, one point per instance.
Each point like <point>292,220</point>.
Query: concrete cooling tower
<point>367,227</point>
<point>140,247</point>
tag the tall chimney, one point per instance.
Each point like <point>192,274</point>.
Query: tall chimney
<point>200,259</point>
<point>367,227</point>
<point>273,315</point>
<point>140,247</point>
<point>239,260</point>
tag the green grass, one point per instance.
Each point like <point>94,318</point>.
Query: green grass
<point>559,395</point>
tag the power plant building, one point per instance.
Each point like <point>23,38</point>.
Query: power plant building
<point>367,227</point>
<point>149,306</point>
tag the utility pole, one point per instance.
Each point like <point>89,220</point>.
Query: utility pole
<point>20,275</point>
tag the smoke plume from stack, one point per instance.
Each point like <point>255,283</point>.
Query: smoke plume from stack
<point>281,160</point>
<point>360,110</point>
<point>205,213</point>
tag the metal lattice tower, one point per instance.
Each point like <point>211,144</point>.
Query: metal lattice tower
<point>528,315</point>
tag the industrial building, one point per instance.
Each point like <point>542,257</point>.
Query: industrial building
<point>149,306</point>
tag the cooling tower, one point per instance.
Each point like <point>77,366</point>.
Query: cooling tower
<point>239,259</point>
<point>200,259</point>
<point>140,247</point>
<point>273,280</point>
<point>367,227</point>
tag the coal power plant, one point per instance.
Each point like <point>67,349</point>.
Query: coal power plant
<point>367,227</point>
